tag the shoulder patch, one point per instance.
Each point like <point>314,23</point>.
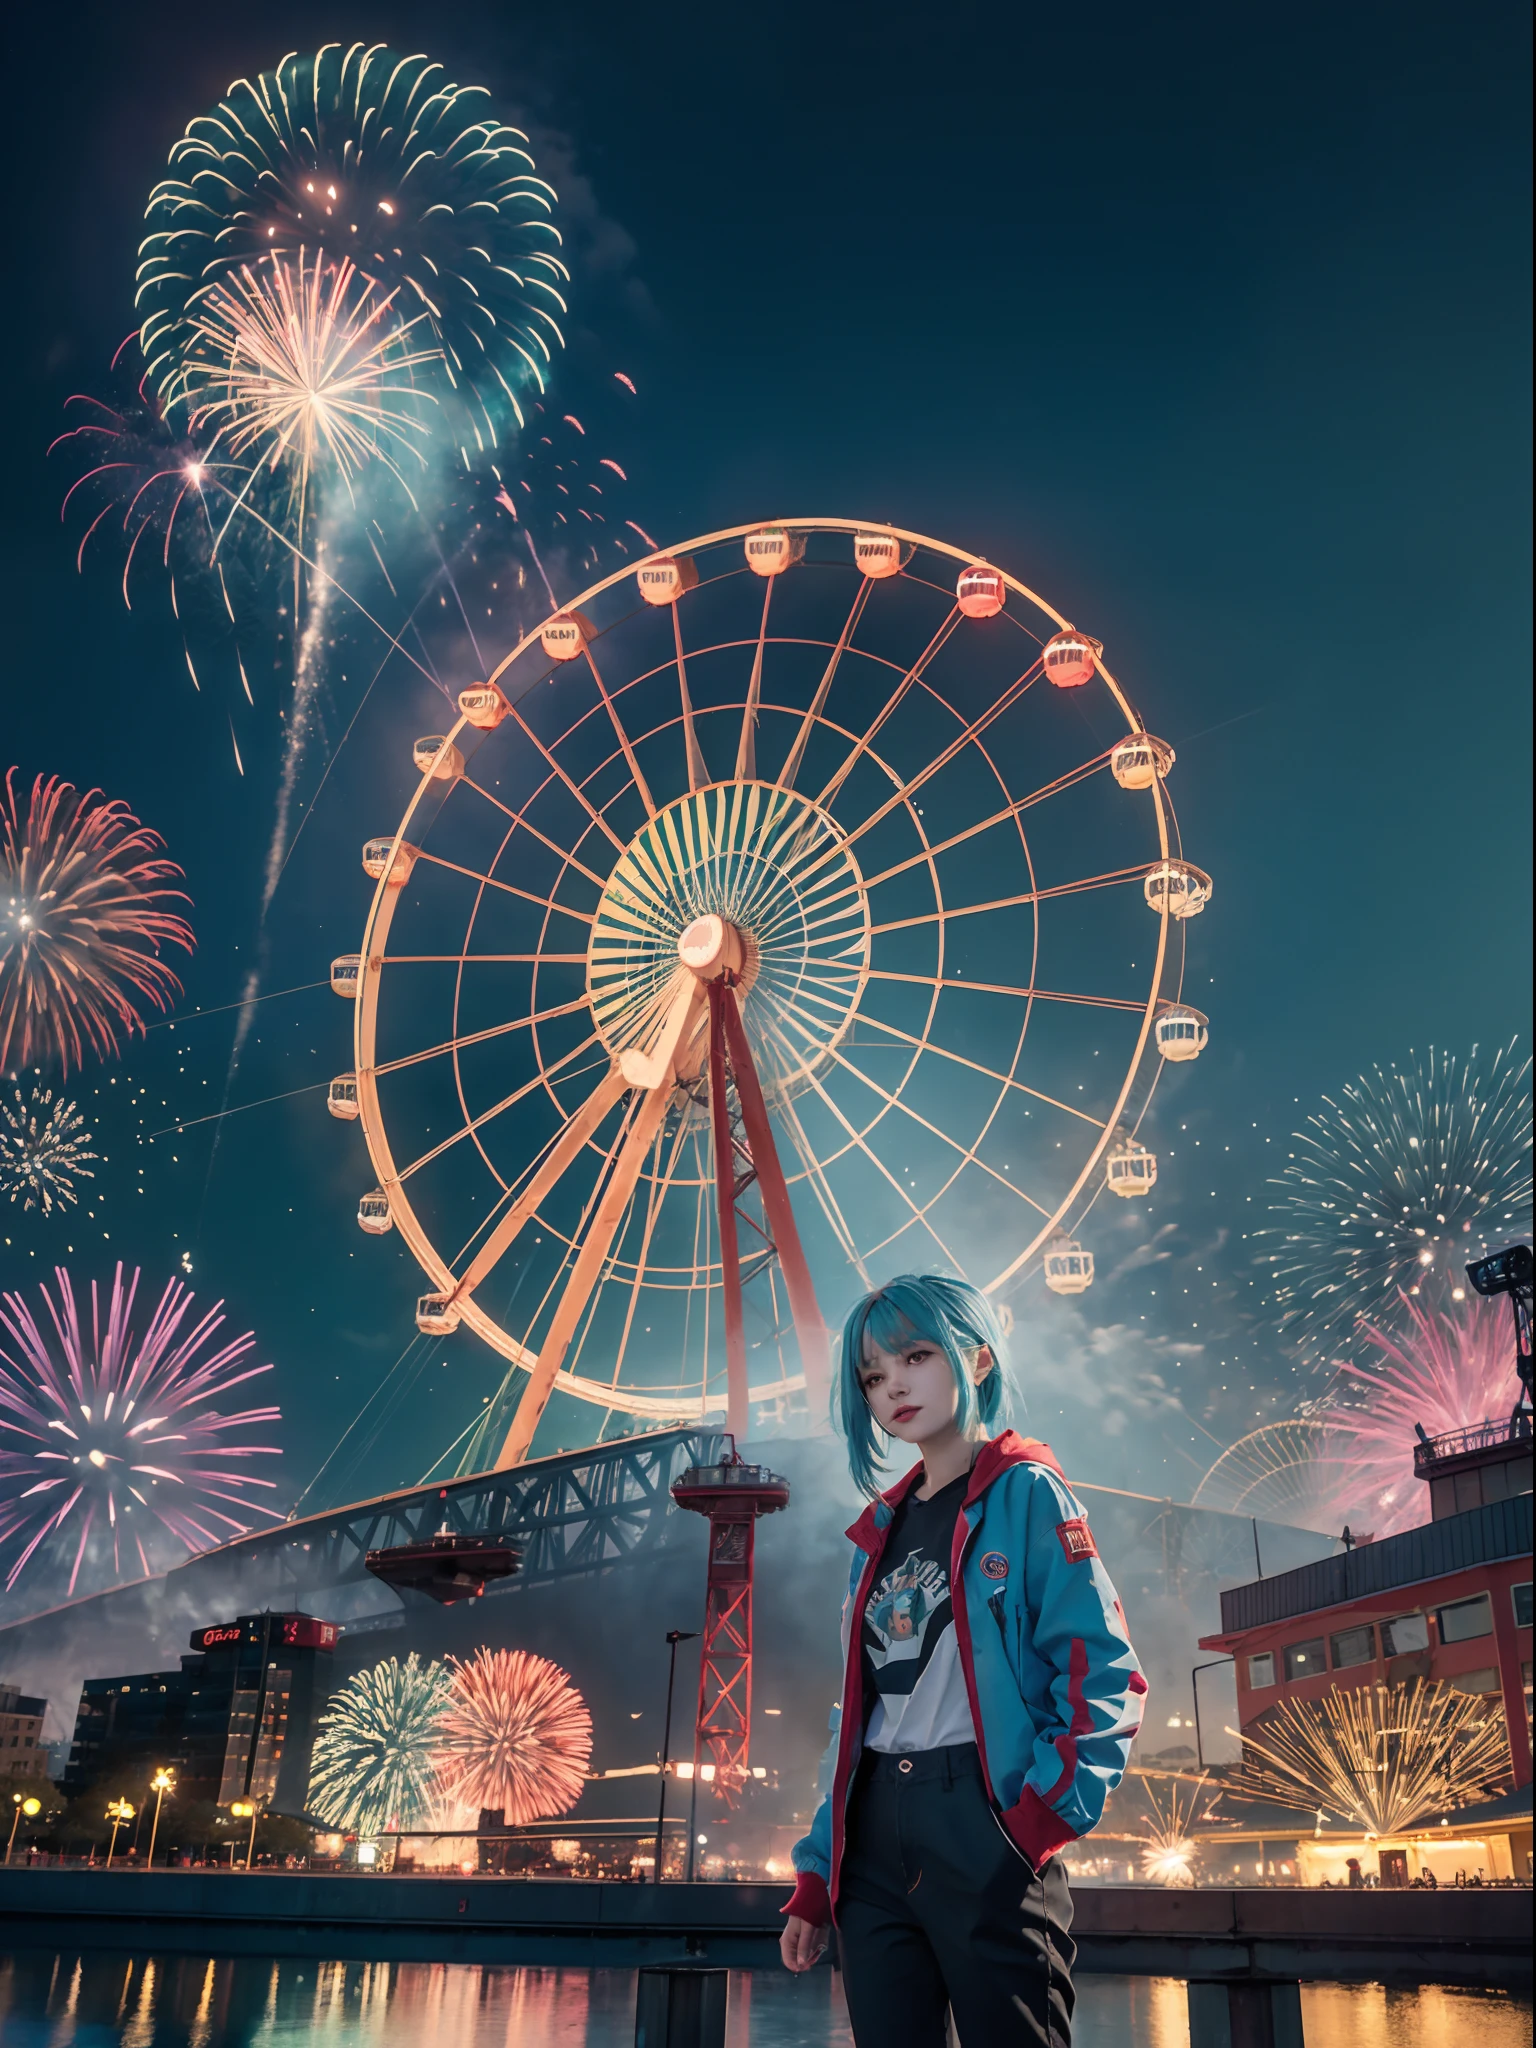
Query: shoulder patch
<point>994,1565</point>
<point>1076,1539</point>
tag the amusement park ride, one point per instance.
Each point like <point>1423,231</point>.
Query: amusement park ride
<point>761,923</point>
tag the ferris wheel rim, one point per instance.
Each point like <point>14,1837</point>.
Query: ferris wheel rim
<point>674,1403</point>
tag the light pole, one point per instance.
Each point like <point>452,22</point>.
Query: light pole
<point>119,1813</point>
<point>674,1637</point>
<point>247,1809</point>
<point>29,1807</point>
<point>161,1783</point>
<point>1194,1686</point>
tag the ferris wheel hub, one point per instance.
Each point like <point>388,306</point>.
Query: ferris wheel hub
<point>746,878</point>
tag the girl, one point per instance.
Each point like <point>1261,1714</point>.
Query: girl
<point>990,1697</point>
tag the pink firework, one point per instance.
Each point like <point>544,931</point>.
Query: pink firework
<point>82,922</point>
<point>1443,1369</point>
<point>515,1735</point>
<point>111,1441</point>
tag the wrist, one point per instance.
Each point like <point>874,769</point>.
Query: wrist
<point>810,1901</point>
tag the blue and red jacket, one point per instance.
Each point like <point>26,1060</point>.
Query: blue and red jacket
<point>1056,1691</point>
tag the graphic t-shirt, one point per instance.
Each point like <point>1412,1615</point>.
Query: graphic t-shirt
<point>911,1659</point>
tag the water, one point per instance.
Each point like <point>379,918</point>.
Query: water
<point>101,1999</point>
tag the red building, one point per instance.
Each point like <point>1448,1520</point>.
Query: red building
<point>1450,1601</point>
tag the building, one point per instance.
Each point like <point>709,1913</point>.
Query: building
<point>22,1754</point>
<point>1449,1602</point>
<point>235,1722</point>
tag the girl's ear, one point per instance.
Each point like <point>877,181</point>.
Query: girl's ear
<point>981,1363</point>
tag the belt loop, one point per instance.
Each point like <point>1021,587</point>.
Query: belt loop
<point>949,1770</point>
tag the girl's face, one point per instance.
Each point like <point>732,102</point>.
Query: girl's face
<point>911,1391</point>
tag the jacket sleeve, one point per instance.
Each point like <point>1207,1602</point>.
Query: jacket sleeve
<point>812,1854</point>
<point>1097,1687</point>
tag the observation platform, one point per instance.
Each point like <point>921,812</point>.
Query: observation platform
<point>1479,1937</point>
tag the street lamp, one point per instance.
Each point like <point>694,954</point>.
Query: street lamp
<point>674,1637</point>
<point>29,1807</point>
<point>247,1809</point>
<point>161,1783</point>
<point>119,1813</point>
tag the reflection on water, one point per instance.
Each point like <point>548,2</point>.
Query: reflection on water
<point>98,1999</point>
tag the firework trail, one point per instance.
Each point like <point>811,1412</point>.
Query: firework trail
<point>378,162</point>
<point>106,1434</point>
<point>44,1145</point>
<point>82,886</point>
<point>374,1762</point>
<point>516,1737</point>
<point>1382,1758</point>
<point>1414,1172</point>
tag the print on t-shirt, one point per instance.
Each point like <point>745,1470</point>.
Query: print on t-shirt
<point>907,1613</point>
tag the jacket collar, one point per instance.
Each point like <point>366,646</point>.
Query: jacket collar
<point>993,1458</point>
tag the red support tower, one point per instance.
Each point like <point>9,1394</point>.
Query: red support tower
<point>733,1494</point>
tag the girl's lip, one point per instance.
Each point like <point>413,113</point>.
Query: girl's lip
<point>904,1414</point>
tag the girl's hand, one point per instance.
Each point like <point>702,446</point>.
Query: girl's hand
<point>801,1944</point>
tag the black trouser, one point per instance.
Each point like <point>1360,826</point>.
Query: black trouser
<point>937,1908</point>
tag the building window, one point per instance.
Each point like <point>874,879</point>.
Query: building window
<point>1354,1646</point>
<point>1464,1619</point>
<point>1475,1681</point>
<point>1305,1660</point>
<point>1261,1669</point>
<point>1409,1632</point>
<point>1521,1595</point>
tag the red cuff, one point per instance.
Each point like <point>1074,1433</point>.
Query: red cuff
<point>811,1901</point>
<point>1036,1828</point>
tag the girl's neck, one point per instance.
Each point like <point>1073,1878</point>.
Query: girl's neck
<point>945,1459</point>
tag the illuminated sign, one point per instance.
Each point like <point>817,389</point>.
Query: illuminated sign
<point>292,1631</point>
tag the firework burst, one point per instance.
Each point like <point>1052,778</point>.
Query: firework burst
<point>115,1445</point>
<point>82,890</point>
<point>374,1762</point>
<point>1381,1758</point>
<point>1168,1851</point>
<point>303,364</point>
<point>1412,1173</point>
<point>516,1737</point>
<point>368,159</point>
<point>44,1145</point>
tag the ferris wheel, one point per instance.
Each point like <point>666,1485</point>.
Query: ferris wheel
<point>794,908</point>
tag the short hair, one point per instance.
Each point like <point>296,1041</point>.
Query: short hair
<point>935,1309</point>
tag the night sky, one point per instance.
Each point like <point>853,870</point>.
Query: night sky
<point>1211,327</point>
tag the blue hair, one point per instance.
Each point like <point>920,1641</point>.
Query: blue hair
<point>918,1307</point>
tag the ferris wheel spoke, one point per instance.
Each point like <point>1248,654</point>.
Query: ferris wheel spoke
<point>580,794</point>
<point>746,746</point>
<point>477,1123</point>
<point>992,1074</point>
<point>1002,988</point>
<point>858,1139</point>
<point>957,745</point>
<point>507,888</point>
<point>861,746</point>
<point>967,1152</point>
<point>821,1188</point>
<point>791,767</point>
<point>572,1141</point>
<point>468,1038</point>
<point>660,1187</point>
<point>619,732</point>
<point>1110,881</point>
<point>520,820</point>
<point>1037,796</point>
<point>481,959</point>
<point>597,1238</point>
<point>698,772</point>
